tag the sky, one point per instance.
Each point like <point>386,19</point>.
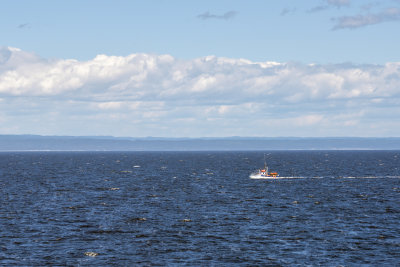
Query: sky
<point>167,68</point>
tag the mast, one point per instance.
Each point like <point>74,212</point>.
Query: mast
<point>265,166</point>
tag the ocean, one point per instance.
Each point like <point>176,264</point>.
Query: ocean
<point>199,208</point>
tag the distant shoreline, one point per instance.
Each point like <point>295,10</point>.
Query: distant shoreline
<point>38,143</point>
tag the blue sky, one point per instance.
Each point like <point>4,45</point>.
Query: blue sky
<point>258,30</point>
<point>200,68</point>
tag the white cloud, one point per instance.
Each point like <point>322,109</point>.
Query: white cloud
<point>330,3</point>
<point>228,15</point>
<point>162,92</point>
<point>357,21</point>
<point>368,16</point>
<point>338,3</point>
<point>307,120</point>
<point>109,105</point>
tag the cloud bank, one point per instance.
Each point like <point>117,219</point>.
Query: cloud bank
<point>159,95</point>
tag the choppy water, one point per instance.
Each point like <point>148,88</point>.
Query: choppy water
<point>199,208</point>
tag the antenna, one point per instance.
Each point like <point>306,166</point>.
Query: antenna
<point>265,165</point>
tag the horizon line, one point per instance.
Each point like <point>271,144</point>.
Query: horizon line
<point>199,137</point>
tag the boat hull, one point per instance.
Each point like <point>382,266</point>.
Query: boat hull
<point>262,176</point>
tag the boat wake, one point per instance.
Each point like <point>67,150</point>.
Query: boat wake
<point>264,174</point>
<point>260,176</point>
<point>369,177</point>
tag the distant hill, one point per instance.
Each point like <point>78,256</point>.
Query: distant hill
<point>108,143</point>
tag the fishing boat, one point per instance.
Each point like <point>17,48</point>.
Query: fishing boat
<point>264,173</point>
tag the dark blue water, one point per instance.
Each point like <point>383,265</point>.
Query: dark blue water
<point>199,208</point>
